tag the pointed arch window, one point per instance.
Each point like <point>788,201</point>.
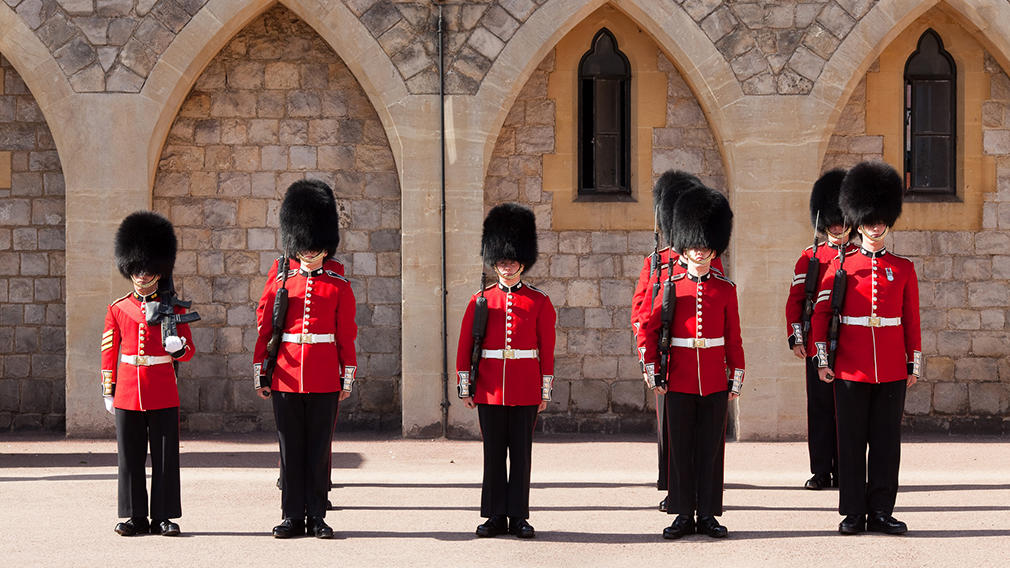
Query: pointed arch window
<point>931,121</point>
<point>604,118</point>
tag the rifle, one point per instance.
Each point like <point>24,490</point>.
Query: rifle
<point>810,287</point>
<point>163,313</point>
<point>280,312</point>
<point>654,259</point>
<point>666,319</point>
<point>837,300</point>
<point>477,331</point>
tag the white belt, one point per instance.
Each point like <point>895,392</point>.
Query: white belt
<point>145,360</point>
<point>509,353</point>
<point>697,342</point>
<point>307,338</point>
<point>867,321</point>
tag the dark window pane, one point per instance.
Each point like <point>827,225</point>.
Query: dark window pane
<point>606,163</point>
<point>607,109</point>
<point>586,126</point>
<point>932,162</point>
<point>604,125</point>
<point>931,120</point>
<point>930,59</point>
<point>931,107</point>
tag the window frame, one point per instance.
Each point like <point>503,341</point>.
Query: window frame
<point>910,120</point>
<point>587,190</point>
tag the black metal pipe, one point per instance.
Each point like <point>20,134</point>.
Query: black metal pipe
<point>445,291</point>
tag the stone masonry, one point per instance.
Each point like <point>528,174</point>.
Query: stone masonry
<point>106,45</point>
<point>277,105</point>
<point>777,47</point>
<point>773,47</point>
<point>964,283</point>
<point>590,275</point>
<point>475,34</point>
<point>32,243</point>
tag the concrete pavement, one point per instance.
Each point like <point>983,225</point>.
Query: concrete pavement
<point>415,503</point>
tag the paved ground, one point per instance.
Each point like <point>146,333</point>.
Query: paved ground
<point>415,503</point>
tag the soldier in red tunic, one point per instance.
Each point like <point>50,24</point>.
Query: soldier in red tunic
<point>705,367</point>
<point>878,351</point>
<point>316,362</point>
<point>516,368</point>
<point>138,374</point>
<point>826,217</point>
<point>668,188</point>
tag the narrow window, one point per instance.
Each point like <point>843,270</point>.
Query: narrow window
<point>604,121</point>
<point>930,122</point>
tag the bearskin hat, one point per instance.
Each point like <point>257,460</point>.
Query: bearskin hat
<point>871,193</point>
<point>145,243</point>
<point>309,219</point>
<point>510,233</point>
<point>824,209</point>
<point>669,187</point>
<point>702,218</point>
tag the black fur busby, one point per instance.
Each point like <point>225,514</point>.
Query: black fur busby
<point>702,218</point>
<point>145,243</point>
<point>669,187</point>
<point>510,233</point>
<point>309,219</point>
<point>824,209</point>
<point>871,193</point>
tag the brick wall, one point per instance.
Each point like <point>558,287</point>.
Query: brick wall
<point>964,283</point>
<point>32,237</point>
<point>276,105</point>
<point>590,275</point>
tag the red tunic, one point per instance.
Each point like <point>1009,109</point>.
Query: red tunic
<point>642,301</point>
<point>706,307</point>
<point>139,387</point>
<point>881,289</point>
<point>518,318</point>
<point>319,354</point>
<point>826,252</point>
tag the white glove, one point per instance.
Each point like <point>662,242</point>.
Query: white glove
<point>108,405</point>
<point>174,343</point>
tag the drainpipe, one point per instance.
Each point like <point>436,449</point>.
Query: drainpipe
<point>445,291</point>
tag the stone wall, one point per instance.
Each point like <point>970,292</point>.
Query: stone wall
<point>32,237</point>
<point>274,106</point>
<point>108,45</point>
<point>590,275</point>
<point>772,47</point>
<point>964,284</point>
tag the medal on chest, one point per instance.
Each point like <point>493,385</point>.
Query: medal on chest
<point>890,274</point>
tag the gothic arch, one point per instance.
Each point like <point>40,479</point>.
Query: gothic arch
<point>211,29</point>
<point>37,68</point>
<point>715,88</point>
<point>877,30</point>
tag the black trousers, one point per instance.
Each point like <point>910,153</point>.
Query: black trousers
<point>134,428</point>
<point>506,431</point>
<point>822,440</point>
<point>304,430</point>
<point>869,415</point>
<point>663,441</point>
<point>697,431</point>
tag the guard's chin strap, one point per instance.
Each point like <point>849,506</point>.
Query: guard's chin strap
<point>874,239</point>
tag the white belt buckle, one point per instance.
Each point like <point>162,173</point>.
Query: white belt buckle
<point>699,342</point>
<point>873,322</point>
<point>508,354</point>
<point>304,338</point>
<point>140,360</point>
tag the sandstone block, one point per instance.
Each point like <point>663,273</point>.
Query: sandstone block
<point>950,398</point>
<point>987,398</point>
<point>627,396</point>
<point>590,396</point>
